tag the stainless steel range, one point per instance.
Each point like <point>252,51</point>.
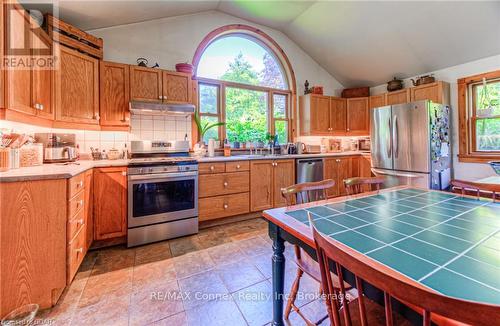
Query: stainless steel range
<point>163,192</point>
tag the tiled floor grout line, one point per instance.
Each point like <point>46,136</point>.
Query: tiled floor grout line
<point>459,256</point>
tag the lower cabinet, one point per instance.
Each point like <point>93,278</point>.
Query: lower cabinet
<point>338,169</point>
<point>32,243</point>
<point>223,206</point>
<point>110,202</point>
<point>267,177</point>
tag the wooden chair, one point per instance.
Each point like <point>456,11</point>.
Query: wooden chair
<point>358,185</point>
<point>298,194</point>
<point>441,309</point>
<point>477,187</point>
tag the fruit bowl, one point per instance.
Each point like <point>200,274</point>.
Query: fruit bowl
<point>496,166</point>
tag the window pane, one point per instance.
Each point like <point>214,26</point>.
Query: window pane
<point>279,103</point>
<point>208,98</point>
<point>246,114</point>
<point>281,129</point>
<point>488,134</point>
<point>212,132</point>
<point>488,102</point>
<point>242,59</point>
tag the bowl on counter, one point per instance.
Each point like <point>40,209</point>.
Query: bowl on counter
<point>496,166</point>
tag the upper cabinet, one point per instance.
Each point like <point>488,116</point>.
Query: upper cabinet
<point>114,95</point>
<point>398,97</point>
<point>438,92</point>
<point>156,85</point>
<point>326,115</point>
<point>358,118</point>
<point>376,101</point>
<point>77,88</point>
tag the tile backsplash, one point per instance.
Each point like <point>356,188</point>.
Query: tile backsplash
<point>144,127</point>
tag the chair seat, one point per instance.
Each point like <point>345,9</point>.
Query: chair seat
<point>311,267</point>
<point>375,314</point>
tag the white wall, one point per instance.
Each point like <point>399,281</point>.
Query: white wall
<point>467,171</point>
<point>172,40</point>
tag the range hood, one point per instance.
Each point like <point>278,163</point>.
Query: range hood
<point>151,108</point>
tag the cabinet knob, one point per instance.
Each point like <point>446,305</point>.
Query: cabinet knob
<point>80,221</point>
<point>238,166</point>
<point>160,97</point>
<point>79,184</point>
<point>41,106</point>
<point>212,168</point>
<point>80,203</point>
<point>165,97</point>
<point>97,117</point>
<point>124,173</point>
<point>225,183</point>
<point>79,250</point>
<point>225,206</point>
<point>347,129</point>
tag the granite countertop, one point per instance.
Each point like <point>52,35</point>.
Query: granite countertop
<point>59,171</point>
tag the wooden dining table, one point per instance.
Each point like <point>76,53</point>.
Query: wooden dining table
<point>442,241</point>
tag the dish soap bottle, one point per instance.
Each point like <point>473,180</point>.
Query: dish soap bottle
<point>227,148</point>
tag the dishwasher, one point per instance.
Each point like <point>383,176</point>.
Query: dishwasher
<point>310,170</point>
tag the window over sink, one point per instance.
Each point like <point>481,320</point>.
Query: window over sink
<point>243,83</point>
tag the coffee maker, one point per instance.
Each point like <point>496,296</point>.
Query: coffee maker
<point>57,147</point>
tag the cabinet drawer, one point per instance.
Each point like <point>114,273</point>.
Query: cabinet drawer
<point>210,168</point>
<point>237,166</point>
<point>223,184</point>
<point>223,206</point>
<point>76,252</point>
<point>75,185</point>
<point>75,204</point>
<point>75,224</point>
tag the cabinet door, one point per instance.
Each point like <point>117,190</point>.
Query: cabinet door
<point>114,94</point>
<point>358,116</point>
<point>18,80</point>
<point>344,172</point>
<point>261,185</point>
<point>365,168</point>
<point>110,203</point>
<point>77,87</point>
<point>284,176</point>
<point>176,87</point>
<point>338,115</point>
<point>331,172</point>
<point>145,84</point>
<point>43,79</point>
<point>320,114</point>
<point>432,92</point>
<point>88,208</point>
<point>398,97</point>
<point>377,101</point>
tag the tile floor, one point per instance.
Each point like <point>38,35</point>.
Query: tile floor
<point>221,276</point>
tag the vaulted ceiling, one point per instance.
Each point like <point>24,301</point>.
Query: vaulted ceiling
<point>358,43</point>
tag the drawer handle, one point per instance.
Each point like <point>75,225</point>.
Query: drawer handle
<point>79,203</point>
<point>79,184</point>
<point>80,221</point>
<point>238,166</point>
<point>225,184</point>
<point>79,250</point>
<point>225,206</point>
<point>212,168</point>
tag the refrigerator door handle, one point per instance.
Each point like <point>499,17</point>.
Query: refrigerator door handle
<point>389,143</point>
<point>395,137</point>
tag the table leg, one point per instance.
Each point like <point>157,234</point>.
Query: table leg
<point>278,274</point>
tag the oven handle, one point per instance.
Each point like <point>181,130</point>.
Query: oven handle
<point>147,177</point>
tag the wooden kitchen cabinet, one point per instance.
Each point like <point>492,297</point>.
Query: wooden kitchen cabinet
<point>314,113</point>
<point>338,115</point>
<point>88,213</point>
<point>176,87</point>
<point>358,116</point>
<point>398,97</point>
<point>32,243</point>
<point>114,94</point>
<point>365,166</point>
<point>338,169</point>
<point>377,101</point>
<point>267,177</point>
<point>145,84</point>
<point>110,202</point>
<point>77,88</point>
<point>438,92</point>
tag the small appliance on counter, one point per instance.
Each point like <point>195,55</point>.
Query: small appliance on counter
<point>364,144</point>
<point>57,147</point>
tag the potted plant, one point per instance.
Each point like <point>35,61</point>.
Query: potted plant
<point>204,127</point>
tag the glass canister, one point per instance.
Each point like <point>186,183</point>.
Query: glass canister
<point>31,155</point>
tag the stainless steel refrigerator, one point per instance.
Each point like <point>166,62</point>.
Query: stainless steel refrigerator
<point>411,144</point>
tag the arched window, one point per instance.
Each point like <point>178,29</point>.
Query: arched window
<point>243,82</point>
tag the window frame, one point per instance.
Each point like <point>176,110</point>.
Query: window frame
<point>221,103</point>
<point>467,110</point>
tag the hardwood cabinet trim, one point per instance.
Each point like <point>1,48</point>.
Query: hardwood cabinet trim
<point>377,101</point>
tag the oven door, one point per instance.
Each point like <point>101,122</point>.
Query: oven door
<point>158,198</point>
